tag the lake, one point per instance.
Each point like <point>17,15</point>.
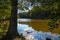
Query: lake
<point>39,24</point>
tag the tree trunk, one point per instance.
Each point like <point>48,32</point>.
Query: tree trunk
<point>12,31</point>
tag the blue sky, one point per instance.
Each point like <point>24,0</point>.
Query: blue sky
<point>28,4</point>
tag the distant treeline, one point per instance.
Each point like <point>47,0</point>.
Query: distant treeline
<point>39,15</point>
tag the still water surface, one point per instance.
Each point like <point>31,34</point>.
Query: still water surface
<point>38,24</point>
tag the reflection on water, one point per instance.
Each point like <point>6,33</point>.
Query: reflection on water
<point>23,20</point>
<point>30,34</point>
<point>28,28</point>
<point>38,24</point>
<point>23,27</point>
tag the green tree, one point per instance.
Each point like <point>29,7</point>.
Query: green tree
<point>12,30</point>
<point>51,7</point>
<point>5,9</point>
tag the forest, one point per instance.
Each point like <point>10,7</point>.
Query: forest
<point>36,9</point>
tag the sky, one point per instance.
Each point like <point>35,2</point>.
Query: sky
<point>30,34</point>
<point>28,4</point>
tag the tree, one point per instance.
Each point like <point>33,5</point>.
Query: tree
<point>12,31</point>
<point>5,9</point>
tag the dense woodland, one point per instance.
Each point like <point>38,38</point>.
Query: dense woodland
<point>47,9</point>
<point>8,14</point>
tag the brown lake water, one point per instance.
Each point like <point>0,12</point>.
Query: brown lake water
<point>39,24</point>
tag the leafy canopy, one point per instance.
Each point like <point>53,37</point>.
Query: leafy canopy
<point>5,9</point>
